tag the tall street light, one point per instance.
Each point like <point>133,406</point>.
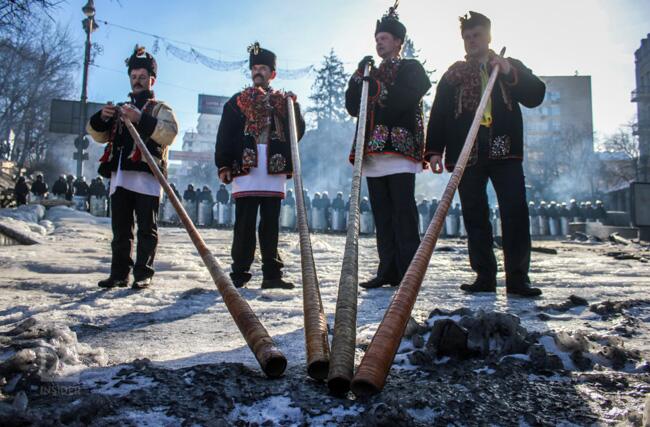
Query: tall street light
<point>81,143</point>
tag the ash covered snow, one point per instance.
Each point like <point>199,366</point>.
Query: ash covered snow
<point>172,355</point>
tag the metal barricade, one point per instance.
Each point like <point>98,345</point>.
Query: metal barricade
<point>319,220</point>
<point>496,226</point>
<point>534,225</point>
<point>462,232</point>
<point>191,209</point>
<point>542,222</point>
<point>98,206</point>
<point>204,215</point>
<point>288,217</point>
<point>367,225</point>
<point>564,226</point>
<point>338,220</point>
<point>80,203</point>
<point>423,222</point>
<point>224,214</point>
<point>169,213</point>
<point>452,225</point>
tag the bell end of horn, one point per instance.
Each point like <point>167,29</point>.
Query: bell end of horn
<point>318,369</point>
<point>364,387</point>
<point>275,365</point>
<point>338,385</point>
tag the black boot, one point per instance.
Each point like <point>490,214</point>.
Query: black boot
<point>112,282</point>
<point>377,282</point>
<point>480,285</point>
<point>276,284</point>
<point>240,279</point>
<point>142,283</point>
<point>239,282</point>
<point>523,289</point>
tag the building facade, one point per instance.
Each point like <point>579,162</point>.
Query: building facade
<point>559,137</point>
<point>641,95</point>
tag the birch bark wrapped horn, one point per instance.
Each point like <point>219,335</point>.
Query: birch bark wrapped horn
<point>375,365</point>
<point>345,321</point>
<point>316,340</point>
<point>271,360</point>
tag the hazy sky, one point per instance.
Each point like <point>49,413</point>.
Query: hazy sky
<point>552,37</point>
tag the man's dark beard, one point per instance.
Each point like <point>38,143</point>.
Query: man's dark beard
<point>141,97</point>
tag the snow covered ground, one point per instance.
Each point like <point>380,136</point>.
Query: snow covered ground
<point>181,322</point>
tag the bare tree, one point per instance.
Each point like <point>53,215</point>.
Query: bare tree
<point>623,148</point>
<point>35,67</point>
<point>564,166</point>
<point>15,13</point>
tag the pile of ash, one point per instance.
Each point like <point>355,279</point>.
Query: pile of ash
<point>499,338</point>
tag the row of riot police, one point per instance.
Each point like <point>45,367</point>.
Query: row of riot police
<point>325,215</point>
<point>201,206</point>
<point>91,198</point>
<point>553,219</point>
<point>453,226</point>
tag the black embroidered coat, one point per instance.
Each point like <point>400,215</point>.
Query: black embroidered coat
<point>448,127</point>
<point>236,150</point>
<point>395,122</point>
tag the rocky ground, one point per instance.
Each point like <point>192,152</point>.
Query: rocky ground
<point>75,355</point>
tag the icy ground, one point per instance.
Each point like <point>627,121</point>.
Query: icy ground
<point>171,355</point>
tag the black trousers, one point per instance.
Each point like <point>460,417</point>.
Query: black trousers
<point>507,177</point>
<point>393,205</point>
<point>243,245</point>
<point>124,204</point>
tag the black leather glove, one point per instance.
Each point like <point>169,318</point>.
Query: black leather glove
<point>366,60</point>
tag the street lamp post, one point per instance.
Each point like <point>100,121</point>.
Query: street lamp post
<point>81,143</point>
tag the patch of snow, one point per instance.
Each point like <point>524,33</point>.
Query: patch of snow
<point>274,409</point>
<point>423,415</point>
<point>520,356</point>
<point>335,415</point>
<point>154,418</point>
<point>124,386</point>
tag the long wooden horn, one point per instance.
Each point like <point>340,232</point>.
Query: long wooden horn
<point>271,360</point>
<point>345,320</point>
<point>375,365</point>
<point>316,341</point>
